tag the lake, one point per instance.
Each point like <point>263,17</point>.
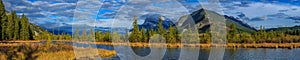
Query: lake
<point>230,53</point>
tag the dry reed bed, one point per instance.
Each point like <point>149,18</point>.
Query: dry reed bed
<point>70,55</point>
<point>55,52</point>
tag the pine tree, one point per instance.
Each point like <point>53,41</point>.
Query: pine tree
<point>30,31</point>
<point>161,30</point>
<point>116,36</point>
<point>265,34</point>
<point>107,37</point>
<point>135,31</point>
<point>48,42</point>
<point>207,37</point>
<point>3,21</point>
<point>261,31</point>
<point>24,33</point>
<point>282,37</point>
<point>150,33</point>
<point>171,35</point>
<point>10,26</point>
<point>16,26</point>
<point>84,35</point>
<point>91,34</point>
<point>243,37</point>
<point>256,37</point>
<point>143,35</point>
<point>262,34</point>
<point>76,33</point>
<point>61,36</point>
<point>233,33</point>
<point>140,36</point>
<point>98,36</point>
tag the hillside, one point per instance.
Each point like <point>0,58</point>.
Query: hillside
<point>17,27</point>
<point>290,30</point>
<point>152,20</point>
<point>200,17</point>
<point>37,29</point>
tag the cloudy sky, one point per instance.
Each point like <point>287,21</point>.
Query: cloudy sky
<point>61,13</point>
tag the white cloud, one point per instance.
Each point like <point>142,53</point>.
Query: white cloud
<point>259,9</point>
<point>41,10</point>
<point>169,8</point>
<point>272,13</point>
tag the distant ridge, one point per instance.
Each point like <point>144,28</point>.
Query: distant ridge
<point>152,20</point>
<point>202,23</point>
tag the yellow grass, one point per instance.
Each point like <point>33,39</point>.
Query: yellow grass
<point>69,55</point>
<point>21,41</point>
<point>56,52</point>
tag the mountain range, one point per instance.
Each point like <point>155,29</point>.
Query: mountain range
<point>152,21</point>
<point>199,17</point>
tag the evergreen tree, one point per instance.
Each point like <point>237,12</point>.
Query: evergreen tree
<point>282,37</point>
<point>91,34</point>
<point>207,37</point>
<point>116,36</point>
<point>171,35</point>
<point>61,36</point>
<point>84,35</point>
<point>143,35</point>
<point>107,37</point>
<point>3,22</point>
<point>9,28</point>
<point>98,36</point>
<point>24,33</point>
<point>161,30</point>
<point>135,31</point>
<point>150,33</point>
<point>243,37</point>
<point>16,26</point>
<point>76,33</point>
<point>30,31</point>
<point>232,33</point>
<point>261,34</point>
<point>48,42</point>
<point>256,37</point>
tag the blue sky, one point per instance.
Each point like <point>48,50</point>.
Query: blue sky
<point>59,13</point>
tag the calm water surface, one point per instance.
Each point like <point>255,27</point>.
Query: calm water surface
<point>230,53</point>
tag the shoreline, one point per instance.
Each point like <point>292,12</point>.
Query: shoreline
<point>228,45</point>
<point>171,45</point>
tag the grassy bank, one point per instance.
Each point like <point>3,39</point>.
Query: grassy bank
<point>229,45</point>
<point>29,51</point>
<point>69,55</point>
<point>20,41</point>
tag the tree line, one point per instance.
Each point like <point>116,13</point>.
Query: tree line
<point>172,36</point>
<point>14,27</point>
<point>263,36</point>
<point>136,35</point>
